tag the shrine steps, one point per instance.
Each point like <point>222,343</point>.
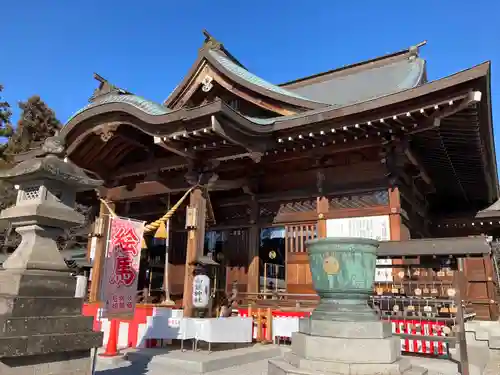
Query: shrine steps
<point>204,361</point>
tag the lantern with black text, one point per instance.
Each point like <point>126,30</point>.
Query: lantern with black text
<point>201,291</point>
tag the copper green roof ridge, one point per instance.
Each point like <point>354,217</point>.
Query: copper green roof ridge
<point>147,106</point>
<point>248,76</point>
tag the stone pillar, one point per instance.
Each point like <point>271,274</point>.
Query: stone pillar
<point>43,330</point>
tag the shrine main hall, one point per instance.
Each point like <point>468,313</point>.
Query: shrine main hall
<point>372,149</point>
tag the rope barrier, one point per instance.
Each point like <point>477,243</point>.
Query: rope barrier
<point>155,224</point>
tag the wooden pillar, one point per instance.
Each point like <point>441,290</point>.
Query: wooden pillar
<point>322,207</point>
<point>322,204</point>
<point>253,249</point>
<point>459,285</point>
<point>490,286</point>
<point>395,215</point>
<point>195,244</point>
<point>100,251</point>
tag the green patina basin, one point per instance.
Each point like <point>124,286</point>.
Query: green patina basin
<point>343,272</point>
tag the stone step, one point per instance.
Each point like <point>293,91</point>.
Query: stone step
<point>416,370</point>
<point>494,341</point>
<point>478,357</point>
<point>23,326</point>
<point>48,343</point>
<point>37,283</point>
<point>333,367</point>
<point>204,361</point>
<point>281,367</point>
<point>39,306</point>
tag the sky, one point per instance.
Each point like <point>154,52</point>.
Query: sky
<point>51,48</point>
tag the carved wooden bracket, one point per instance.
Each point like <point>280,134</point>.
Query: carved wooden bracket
<point>107,131</point>
<point>392,156</point>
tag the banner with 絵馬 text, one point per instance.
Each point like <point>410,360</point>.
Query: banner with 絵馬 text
<point>121,267</point>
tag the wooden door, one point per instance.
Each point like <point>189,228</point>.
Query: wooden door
<point>235,250</point>
<point>481,287</point>
<point>298,274</point>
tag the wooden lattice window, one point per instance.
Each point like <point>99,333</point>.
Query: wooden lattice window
<point>296,236</point>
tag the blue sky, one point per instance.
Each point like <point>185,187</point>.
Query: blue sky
<point>51,48</point>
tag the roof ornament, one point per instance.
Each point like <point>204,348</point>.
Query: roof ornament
<point>210,41</point>
<point>207,83</point>
<point>414,50</point>
<point>105,88</point>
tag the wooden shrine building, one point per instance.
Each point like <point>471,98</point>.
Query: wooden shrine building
<point>373,149</point>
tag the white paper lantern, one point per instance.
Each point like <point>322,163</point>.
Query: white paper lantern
<point>201,291</point>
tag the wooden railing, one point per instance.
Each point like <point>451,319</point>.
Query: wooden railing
<point>279,300</point>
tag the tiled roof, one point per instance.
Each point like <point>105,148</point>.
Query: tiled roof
<point>366,84</point>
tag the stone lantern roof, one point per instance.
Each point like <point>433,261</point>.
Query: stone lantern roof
<point>48,164</point>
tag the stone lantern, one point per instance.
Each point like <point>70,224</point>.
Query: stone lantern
<point>42,330</point>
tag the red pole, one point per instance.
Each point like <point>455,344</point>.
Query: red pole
<point>112,344</point>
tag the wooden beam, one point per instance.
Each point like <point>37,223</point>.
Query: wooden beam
<point>255,147</point>
<point>434,121</point>
<point>152,188</point>
<point>417,163</point>
<point>169,146</point>
<point>177,162</point>
<point>144,189</point>
<point>307,193</point>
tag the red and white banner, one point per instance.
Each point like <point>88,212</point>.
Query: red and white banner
<point>121,267</point>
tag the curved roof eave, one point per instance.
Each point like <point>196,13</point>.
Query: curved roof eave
<point>150,123</point>
<point>492,139</point>
<point>154,123</point>
<point>138,102</point>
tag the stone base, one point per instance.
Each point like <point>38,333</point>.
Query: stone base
<point>283,367</point>
<point>344,348</point>
<point>345,310</point>
<point>358,330</point>
<point>42,330</point>
<point>62,363</point>
<point>387,350</point>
